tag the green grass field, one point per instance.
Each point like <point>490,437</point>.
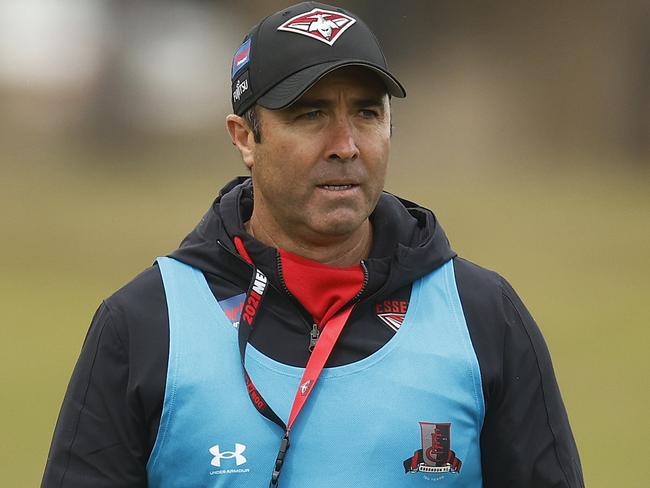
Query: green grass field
<point>574,240</point>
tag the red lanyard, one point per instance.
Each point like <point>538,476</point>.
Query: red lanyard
<point>330,334</point>
<point>317,360</point>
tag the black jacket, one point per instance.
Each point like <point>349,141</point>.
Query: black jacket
<point>111,411</point>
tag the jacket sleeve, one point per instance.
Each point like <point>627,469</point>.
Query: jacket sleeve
<point>98,440</point>
<point>526,440</point>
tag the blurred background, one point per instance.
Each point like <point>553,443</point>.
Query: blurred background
<point>526,129</point>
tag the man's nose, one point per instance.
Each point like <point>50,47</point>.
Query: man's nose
<point>342,142</point>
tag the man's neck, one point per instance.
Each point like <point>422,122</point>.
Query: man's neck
<point>347,251</point>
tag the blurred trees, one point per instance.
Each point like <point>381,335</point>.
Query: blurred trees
<point>559,76</point>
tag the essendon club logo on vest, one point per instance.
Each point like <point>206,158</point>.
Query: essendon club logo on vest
<point>436,455</point>
<point>254,297</point>
<point>392,312</point>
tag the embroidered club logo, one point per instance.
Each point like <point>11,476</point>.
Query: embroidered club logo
<point>323,25</point>
<point>392,312</point>
<point>436,455</point>
<point>392,320</point>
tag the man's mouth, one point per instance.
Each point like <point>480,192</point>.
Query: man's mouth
<point>337,187</point>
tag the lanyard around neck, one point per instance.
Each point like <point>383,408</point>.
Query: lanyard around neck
<point>330,334</point>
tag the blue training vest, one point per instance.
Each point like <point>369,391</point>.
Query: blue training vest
<point>363,424</point>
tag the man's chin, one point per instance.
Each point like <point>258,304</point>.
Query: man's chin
<point>340,225</point>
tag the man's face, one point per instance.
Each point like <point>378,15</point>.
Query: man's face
<point>321,165</point>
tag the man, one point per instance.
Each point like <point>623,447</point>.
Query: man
<point>207,369</point>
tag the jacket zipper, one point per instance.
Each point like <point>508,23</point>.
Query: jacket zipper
<point>314,334</point>
<point>312,328</point>
<point>314,331</point>
<point>357,297</point>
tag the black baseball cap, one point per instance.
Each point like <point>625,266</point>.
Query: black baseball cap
<point>289,51</point>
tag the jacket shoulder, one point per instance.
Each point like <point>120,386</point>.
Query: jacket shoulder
<point>140,319</point>
<point>111,411</point>
<point>487,283</point>
<point>140,306</point>
<point>481,295</point>
<point>526,427</point>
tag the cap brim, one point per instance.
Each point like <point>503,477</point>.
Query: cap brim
<point>291,88</point>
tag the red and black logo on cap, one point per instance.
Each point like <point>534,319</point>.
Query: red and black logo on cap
<point>323,25</point>
<point>290,50</point>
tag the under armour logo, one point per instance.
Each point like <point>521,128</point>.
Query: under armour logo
<point>237,454</point>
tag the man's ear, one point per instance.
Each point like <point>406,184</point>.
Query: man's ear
<point>241,136</point>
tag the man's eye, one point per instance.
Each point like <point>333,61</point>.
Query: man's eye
<point>368,114</point>
<point>313,115</point>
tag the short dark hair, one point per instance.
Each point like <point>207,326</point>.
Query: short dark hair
<point>251,118</point>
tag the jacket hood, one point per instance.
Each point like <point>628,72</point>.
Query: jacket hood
<point>408,241</point>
